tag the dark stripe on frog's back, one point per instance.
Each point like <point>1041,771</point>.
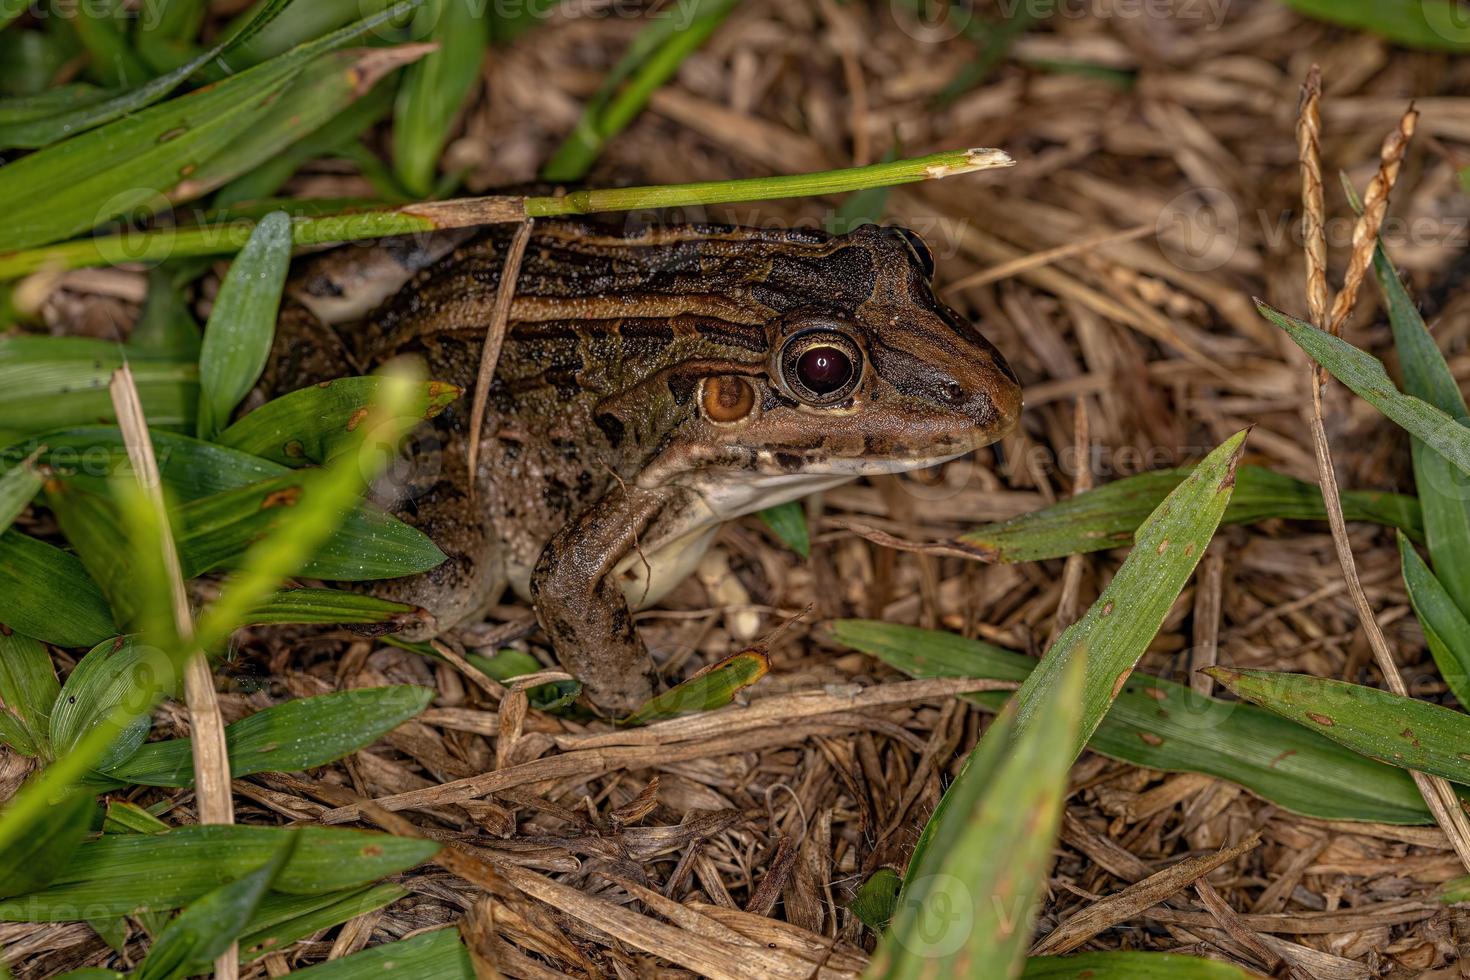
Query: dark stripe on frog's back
<point>732,281</point>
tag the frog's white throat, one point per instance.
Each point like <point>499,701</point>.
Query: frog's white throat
<point>672,551</point>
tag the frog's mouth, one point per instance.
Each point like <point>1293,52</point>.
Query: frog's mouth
<point>729,495</point>
<point>873,456</point>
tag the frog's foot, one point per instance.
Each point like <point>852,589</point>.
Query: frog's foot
<point>580,602</point>
<point>449,594</point>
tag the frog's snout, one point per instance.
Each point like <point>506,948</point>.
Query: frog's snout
<point>991,403</point>
<point>983,390</point>
<point>997,407</point>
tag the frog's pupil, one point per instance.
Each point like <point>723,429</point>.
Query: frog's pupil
<point>822,370</point>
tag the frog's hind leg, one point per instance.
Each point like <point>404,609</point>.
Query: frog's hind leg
<point>338,287</point>
<point>305,352</point>
<point>432,498</point>
<point>348,283</point>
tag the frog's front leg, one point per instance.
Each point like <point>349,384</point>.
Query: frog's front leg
<point>580,602</point>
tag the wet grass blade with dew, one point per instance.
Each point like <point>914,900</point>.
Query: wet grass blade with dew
<point>977,874</point>
<point>1159,724</point>
<point>1123,621</point>
<point>1365,376</point>
<point>1400,731</point>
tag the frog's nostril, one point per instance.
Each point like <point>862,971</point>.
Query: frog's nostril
<point>954,392</point>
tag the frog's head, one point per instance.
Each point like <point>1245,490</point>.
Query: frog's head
<point>868,373</point>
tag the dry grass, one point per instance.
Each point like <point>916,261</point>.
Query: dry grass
<point>762,832</point>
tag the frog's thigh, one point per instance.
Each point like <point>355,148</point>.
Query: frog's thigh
<point>647,578</point>
<point>348,282</point>
<point>472,575</point>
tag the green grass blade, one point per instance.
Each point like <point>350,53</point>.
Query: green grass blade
<point>970,896</point>
<point>28,688</point>
<point>434,89</point>
<point>1445,628</point>
<point>166,327</point>
<point>54,382</point>
<point>61,191</point>
<point>323,90</point>
<point>300,22</point>
<point>95,529</point>
<point>105,680</point>
<point>201,933</point>
<point>14,736</point>
<point>218,532</point>
<point>62,98</point>
<point>876,899</point>
<point>331,494</point>
<point>331,137</point>
<point>36,862</point>
<point>1132,966</point>
<point>994,40</point>
<point>1128,614</point>
<point>328,495</point>
<point>49,128</point>
<point>281,920</point>
<point>129,818</point>
<point>510,663</point>
<point>1400,731</point>
<point>1444,492</point>
<point>329,607</point>
<point>788,522</point>
<point>113,61</point>
<point>1434,24</point>
<point>1364,375</point>
<point>46,593</point>
<point>310,425</point>
<point>78,195</point>
<point>864,207</point>
<point>225,236</point>
<point>18,487</point>
<point>124,874</point>
<point>229,499</point>
<point>1454,891</point>
<point>190,469</point>
<point>1159,724</point>
<point>438,954</point>
<point>237,339</point>
<point>300,734</point>
<point>711,688</point>
<point>651,60</point>
<point>1108,516</point>
<point>31,60</point>
<point>174,19</point>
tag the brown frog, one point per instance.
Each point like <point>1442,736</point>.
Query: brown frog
<point>652,385</point>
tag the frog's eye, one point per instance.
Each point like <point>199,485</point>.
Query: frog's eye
<point>727,399</point>
<point>917,246</point>
<point>821,367</point>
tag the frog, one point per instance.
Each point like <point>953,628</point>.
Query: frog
<point>654,383</point>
